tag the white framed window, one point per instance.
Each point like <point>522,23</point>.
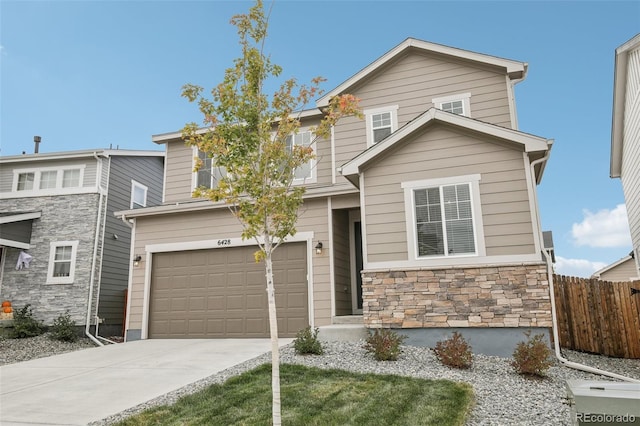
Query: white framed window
<point>456,104</point>
<point>138,195</point>
<point>306,172</point>
<point>71,178</point>
<point>24,181</point>
<point>381,122</point>
<point>444,217</point>
<point>48,179</point>
<point>208,175</point>
<point>62,262</point>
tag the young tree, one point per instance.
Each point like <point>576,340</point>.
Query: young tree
<point>245,135</point>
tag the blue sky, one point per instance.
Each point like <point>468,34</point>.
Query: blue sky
<point>94,74</point>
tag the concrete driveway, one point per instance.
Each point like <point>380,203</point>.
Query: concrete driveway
<point>80,387</point>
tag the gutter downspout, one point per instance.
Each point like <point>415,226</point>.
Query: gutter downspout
<point>554,316</point>
<point>95,254</point>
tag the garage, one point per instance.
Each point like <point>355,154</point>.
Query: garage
<point>220,293</point>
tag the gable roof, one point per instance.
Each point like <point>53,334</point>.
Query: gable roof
<point>614,265</point>
<point>619,94</point>
<point>516,70</point>
<point>529,143</point>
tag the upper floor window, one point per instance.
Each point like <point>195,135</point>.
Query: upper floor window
<point>456,104</point>
<point>62,262</point>
<point>208,175</point>
<point>304,173</point>
<point>444,217</point>
<point>47,179</point>
<point>25,181</point>
<point>71,178</point>
<point>138,195</point>
<point>381,122</point>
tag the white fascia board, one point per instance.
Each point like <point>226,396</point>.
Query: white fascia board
<point>20,217</point>
<point>529,142</point>
<point>51,156</point>
<point>15,244</point>
<point>133,153</point>
<point>619,92</point>
<point>515,69</point>
<point>166,137</point>
<point>197,205</point>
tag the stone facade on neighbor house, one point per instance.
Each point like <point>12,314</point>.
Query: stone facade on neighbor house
<point>29,285</point>
<point>58,209</point>
<point>492,296</point>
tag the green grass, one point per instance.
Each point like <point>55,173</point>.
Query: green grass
<point>312,396</point>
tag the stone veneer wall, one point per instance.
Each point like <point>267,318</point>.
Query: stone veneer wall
<point>496,296</point>
<point>64,218</point>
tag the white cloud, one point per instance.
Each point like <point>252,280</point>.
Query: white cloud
<point>606,228</point>
<point>577,267</point>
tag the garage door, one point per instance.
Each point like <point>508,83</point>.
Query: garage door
<point>221,293</point>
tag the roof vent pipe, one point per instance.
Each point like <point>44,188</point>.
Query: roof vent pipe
<point>36,141</point>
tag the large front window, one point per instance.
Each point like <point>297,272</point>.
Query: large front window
<point>444,220</point>
<point>444,217</point>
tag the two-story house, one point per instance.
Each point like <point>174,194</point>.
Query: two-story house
<point>422,217</point>
<point>61,246</point>
<point>625,135</point>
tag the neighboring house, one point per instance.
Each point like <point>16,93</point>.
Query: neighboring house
<point>625,134</point>
<point>423,217</point>
<point>621,270</point>
<point>57,209</point>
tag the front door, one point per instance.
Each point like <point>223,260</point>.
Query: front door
<point>357,234</point>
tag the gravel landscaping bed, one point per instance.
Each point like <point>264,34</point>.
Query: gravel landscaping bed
<point>502,396</point>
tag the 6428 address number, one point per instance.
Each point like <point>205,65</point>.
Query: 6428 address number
<point>226,242</point>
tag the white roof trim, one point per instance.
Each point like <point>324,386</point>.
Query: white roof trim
<point>529,142</point>
<point>80,154</point>
<point>165,137</point>
<point>619,91</point>
<point>15,244</point>
<point>515,69</point>
<point>613,265</point>
<point>18,217</point>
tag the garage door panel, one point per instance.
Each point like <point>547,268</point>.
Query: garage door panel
<point>222,293</point>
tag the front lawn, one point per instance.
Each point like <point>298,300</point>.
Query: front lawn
<point>312,396</point>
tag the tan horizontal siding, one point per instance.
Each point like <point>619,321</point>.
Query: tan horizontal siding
<point>179,172</point>
<point>411,82</point>
<point>503,190</point>
<point>217,224</point>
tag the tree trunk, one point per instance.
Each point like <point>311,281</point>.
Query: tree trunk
<point>273,329</point>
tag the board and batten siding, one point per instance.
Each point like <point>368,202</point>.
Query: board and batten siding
<point>411,82</point>
<point>116,256</point>
<point>220,224</point>
<point>441,152</point>
<point>89,174</point>
<point>630,173</point>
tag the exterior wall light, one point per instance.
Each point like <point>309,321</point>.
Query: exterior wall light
<point>319,248</point>
<point>136,260</point>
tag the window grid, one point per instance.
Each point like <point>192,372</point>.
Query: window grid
<point>455,234</point>
<point>455,107</point>
<point>25,181</point>
<point>48,179</point>
<point>303,139</point>
<point>381,126</point>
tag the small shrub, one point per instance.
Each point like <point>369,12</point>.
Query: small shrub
<point>307,343</point>
<point>454,352</point>
<point>532,357</point>
<point>25,325</point>
<point>385,344</point>
<point>63,329</point>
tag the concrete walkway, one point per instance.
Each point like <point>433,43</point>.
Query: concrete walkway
<point>80,387</point>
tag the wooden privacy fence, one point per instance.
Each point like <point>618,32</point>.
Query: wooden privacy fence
<point>598,316</point>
